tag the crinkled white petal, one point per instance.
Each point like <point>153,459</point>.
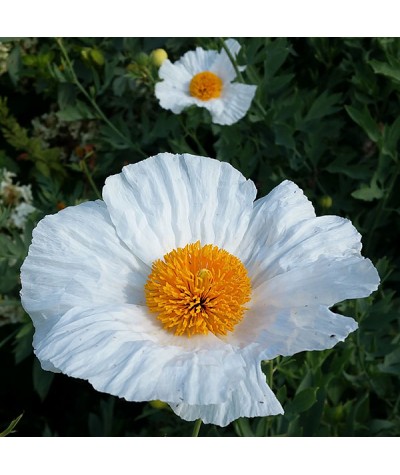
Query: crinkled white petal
<point>197,61</point>
<point>251,397</point>
<point>175,73</point>
<point>170,200</point>
<point>76,258</point>
<point>305,242</point>
<point>174,97</point>
<point>284,235</point>
<point>271,331</point>
<point>122,350</point>
<point>272,218</point>
<point>236,99</point>
<point>323,282</point>
<point>222,65</point>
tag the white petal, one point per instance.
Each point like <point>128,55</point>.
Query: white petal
<point>273,216</point>
<point>236,99</point>
<point>304,243</point>
<point>222,65</point>
<point>174,98</point>
<point>76,258</point>
<point>324,282</point>
<point>251,397</point>
<point>168,201</point>
<point>233,46</point>
<point>121,350</point>
<point>175,74</point>
<point>198,61</point>
<point>285,331</point>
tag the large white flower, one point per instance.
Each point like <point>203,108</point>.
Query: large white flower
<point>204,78</point>
<point>178,284</point>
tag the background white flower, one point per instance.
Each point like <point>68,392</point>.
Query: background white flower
<point>83,285</point>
<point>204,78</point>
<point>15,197</point>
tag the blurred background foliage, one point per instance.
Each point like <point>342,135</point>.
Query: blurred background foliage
<point>326,115</point>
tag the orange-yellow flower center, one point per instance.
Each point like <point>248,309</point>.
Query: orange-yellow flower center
<point>198,289</point>
<point>205,86</point>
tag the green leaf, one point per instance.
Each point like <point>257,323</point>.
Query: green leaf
<point>284,136</point>
<point>368,193</point>
<point>78,111</point>
<point>342,166</point>
<point>379,425</point>
<point>391,363</point>
<point>302,401</point>
<point>364,119</point>
<point>323,105</point>
<point>11,427</point>
<point>14,64</point>
<point>391,136</point>
<point>391,70</point>
<point>242,427</point>
<point>276,53</point>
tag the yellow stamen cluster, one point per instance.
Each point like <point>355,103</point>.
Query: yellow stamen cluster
<point>205,86</point>
<point>198,289</point>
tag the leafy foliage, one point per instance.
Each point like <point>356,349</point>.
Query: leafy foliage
<point>326,115</point>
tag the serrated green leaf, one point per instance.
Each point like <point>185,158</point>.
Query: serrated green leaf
<point>324,105</point>
<point>276,53</point>
<point>391,71</point>
<point>391,138</point>
<point>364,119</point>
<point>391,363</point>
<point>77,111</point>
<point>368,193</point>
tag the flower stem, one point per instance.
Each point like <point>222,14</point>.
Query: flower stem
<point>196,428</point>
<point>192,135</point>
<point>239,74</point>
<point>232,60</point>
<point>90,179</point>
<point>270,373</point>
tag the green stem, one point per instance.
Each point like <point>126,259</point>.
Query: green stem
<point>190,134</point>
<point>232,60</point>
<point>196,428</point>
<point>270,373</point>
<point>92,100</point>
<point>239,74</point>
<point>90,179</point>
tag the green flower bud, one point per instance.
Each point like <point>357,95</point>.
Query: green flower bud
<point>97,57</point>
<point>325,201</point>
<point>142,59</point>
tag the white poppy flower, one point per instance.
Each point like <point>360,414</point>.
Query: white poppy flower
<point>178,285</point>
<point>204,78</point>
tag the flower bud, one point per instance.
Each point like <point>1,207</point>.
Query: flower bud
<point>325,201</point>
<point>158,56</point>
<point>97,57</point>
<point>142,59</point>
